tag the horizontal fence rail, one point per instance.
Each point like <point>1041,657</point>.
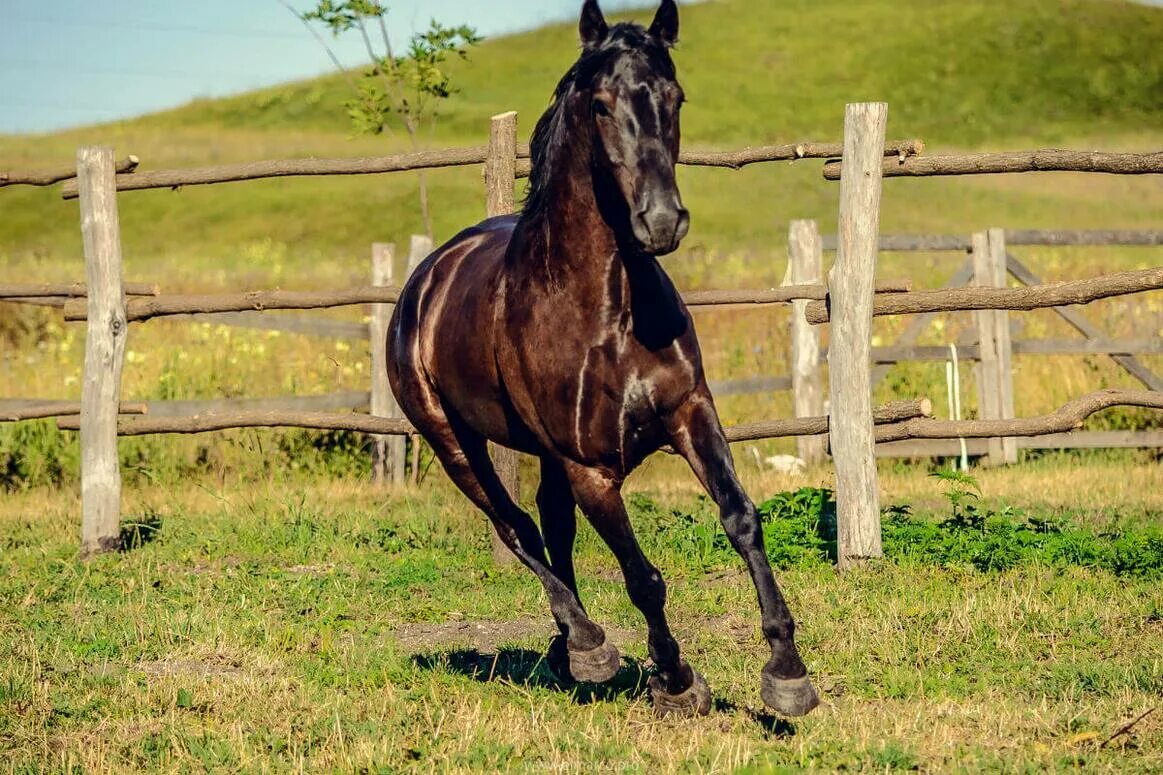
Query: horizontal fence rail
<point>67,290</point>
<point>304,325</point>
<point>1046,160</point>
<point>20,409</point>
<point>455,157</point>
<point>782,295</point>
<point>749,385</point>
<point>928,448</point>
<point>972,352</point>
<point>205,423</point>
<point>140,309</point>
<point>893,412</point>
<point>164,306</point>
<point>51,177</point>
<point>737,160</point>
<point>282,168</point>
<point>1069,417</point>
<point>1028,298</point>
<point>896,421</point>
<point>1049,237</point>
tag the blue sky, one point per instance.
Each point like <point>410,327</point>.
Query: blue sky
<point>74,62</point>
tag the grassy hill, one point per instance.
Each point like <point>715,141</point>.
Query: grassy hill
<point>992,74</point>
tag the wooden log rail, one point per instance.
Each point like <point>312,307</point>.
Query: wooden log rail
<point>1022,299</point>
<point>140,309</point>
<point>1051,237</point>
<point>895,421</point>
<point>1067,418</point>
<point>782,295</point>
<point>456,157</point>
<point>901,354</point>
<point>163,306</point>
<point>893,412</point>
<point>49,177</point>
<point>1045,160</point>
<point>204,423</point>
<point>737,160</point>
<point>67,290</point>
<point>15,410</point>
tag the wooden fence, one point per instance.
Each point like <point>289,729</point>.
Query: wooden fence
<point>851,295</point>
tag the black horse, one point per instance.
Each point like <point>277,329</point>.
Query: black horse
<point>557,333</point>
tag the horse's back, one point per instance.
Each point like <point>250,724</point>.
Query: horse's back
<point>441,340</point>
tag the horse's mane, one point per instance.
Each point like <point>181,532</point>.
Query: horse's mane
<point>552,131</point>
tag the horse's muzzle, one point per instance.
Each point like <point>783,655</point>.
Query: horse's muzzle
<point>661,227</point>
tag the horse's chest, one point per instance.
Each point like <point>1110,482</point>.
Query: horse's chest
<point>621,398</point>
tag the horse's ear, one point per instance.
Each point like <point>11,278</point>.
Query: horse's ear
<point>665,25</point>
<point>593,27</point>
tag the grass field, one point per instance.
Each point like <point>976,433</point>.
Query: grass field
<point>315,626</point>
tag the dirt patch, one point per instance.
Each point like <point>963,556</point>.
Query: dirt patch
<point>210,667</point>
<point>486,635</point>
<point>200,567</point>
<point>311,570</point>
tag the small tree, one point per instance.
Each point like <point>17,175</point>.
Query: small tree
<point>404,88</point>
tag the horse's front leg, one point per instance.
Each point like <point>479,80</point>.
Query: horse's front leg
<point>676,688</point>
<point>697,435</point>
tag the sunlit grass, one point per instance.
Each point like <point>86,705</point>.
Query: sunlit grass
<point>312,625</point>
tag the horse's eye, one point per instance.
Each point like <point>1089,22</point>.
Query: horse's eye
<point>601,108</point>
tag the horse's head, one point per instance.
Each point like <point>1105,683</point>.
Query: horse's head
<point>628,78</point>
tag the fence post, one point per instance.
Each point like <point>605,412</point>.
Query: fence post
<point>994,381</point>
<point>806,266</point>
<point>418,249</point>
<point>999,276</point>
<point>500,199</point>
<point>388,452</point>
<point>104,352</point>
<point>849,365</point>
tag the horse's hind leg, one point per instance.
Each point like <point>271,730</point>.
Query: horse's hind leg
<point>697,435</point>
<point>464,455</point>
<point>677,688</point>
<point>557,509</point>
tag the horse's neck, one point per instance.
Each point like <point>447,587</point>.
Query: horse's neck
<point>571,250</point>
<point>569,246</point>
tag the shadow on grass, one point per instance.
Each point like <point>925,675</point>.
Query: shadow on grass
<point>529,668</point>
<point>773,726</point>
<point>525,667</point>
<point>136,532</point>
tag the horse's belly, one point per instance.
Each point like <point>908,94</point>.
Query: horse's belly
<point>445,336</point>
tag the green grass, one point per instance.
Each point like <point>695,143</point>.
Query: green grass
<point>330,628</point>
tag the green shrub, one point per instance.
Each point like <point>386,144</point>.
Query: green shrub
<point>800,530</point>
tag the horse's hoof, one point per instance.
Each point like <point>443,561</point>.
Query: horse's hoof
<point>789,696</point>
<point>596,665</point>
<point>695,701</point>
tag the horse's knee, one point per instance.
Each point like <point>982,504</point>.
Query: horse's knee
<point>777,628</point>
<point>647,589</point>
<point>740,521</point>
